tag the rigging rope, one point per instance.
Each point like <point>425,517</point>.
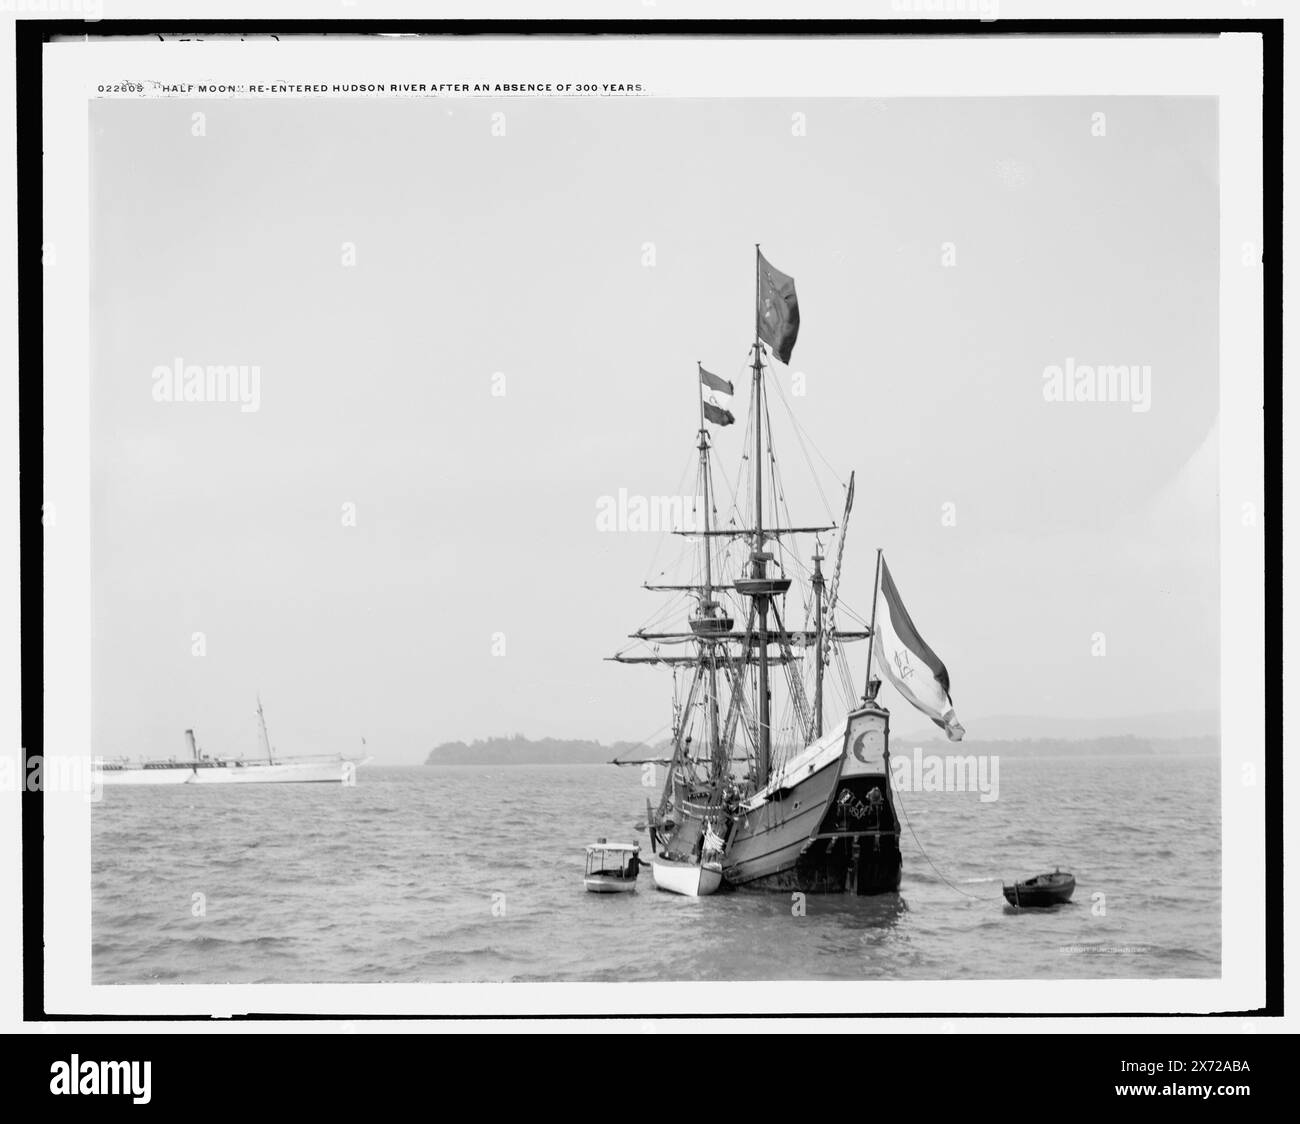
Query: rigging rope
<point>730,557</point>
<point>802,433</point>
<point>680,481</point>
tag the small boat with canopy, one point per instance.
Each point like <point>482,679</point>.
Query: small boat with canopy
<point>612,868</point>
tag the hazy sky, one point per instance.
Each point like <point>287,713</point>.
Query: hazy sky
<point>524,255</point>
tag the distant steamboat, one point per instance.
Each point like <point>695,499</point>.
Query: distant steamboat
<point>204,768</point>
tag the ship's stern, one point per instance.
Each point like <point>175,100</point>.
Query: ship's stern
<point>860,822</point>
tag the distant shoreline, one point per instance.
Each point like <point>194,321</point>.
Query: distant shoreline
<point>555,751</point>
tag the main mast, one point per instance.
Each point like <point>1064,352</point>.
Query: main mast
<point>759,570</point>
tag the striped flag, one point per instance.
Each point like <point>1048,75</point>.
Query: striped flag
<point>717,395</point>
<point>910,664</point>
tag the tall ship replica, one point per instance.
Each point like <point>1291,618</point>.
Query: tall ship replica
<point>204,768</point>
<point>761,792</point>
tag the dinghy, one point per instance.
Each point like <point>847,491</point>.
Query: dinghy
<point>694,879</point>
<point>1041,890</point>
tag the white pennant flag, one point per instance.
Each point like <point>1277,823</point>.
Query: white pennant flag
<point>910,664</point>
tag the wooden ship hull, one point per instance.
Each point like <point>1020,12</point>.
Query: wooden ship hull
<point>817,828</point>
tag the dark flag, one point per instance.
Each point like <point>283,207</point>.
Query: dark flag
<point>778,310</point>
<point>716,395</point>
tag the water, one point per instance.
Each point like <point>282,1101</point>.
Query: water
<point>461,873</point>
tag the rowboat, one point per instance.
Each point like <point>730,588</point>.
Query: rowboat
<point>1041,890</point>
<point>693,879</point>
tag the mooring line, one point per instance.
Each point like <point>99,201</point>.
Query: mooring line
<point>910,828</point>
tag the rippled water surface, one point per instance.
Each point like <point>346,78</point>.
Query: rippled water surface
<point>400,879</point>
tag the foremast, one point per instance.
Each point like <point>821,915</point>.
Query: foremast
<point>708,608</point>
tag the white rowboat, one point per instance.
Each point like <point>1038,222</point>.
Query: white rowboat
<point>694,880</point>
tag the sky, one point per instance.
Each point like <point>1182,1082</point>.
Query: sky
<point>473,338</point>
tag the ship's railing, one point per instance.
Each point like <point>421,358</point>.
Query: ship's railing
<point>692,808</point>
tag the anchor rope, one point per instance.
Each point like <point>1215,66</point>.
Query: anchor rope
<point>908,819</point>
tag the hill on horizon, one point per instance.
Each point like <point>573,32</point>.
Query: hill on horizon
<point>1014,727</point>
<point>519,750</point>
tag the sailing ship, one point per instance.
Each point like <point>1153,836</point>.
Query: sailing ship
<point>751,802</point>
<point>204,768</point>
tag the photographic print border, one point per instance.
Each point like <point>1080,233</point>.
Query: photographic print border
<point>30,38</point>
